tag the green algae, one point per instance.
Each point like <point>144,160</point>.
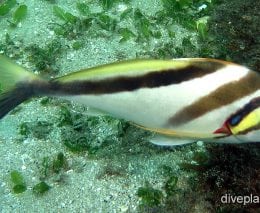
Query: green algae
<point>77,45</point>
<point>19,14</point>
<point>37,129</point>
<point>202,29</point>
<point>6,7</point>
<point>170,186</point>
<point>53,167</point>
<point>41,188</point>
<point>65,16</point>
<point>107,4</point>
<point>11,47</point>
<point>45,101</point>
<point>19,188</point>
<point>59,163</point>
<point>44,58</point>
<point>64,117</point>
<point>83,8</point>
<point>17,179</point>
<point>150,196</point>
<point>154,199</point>
<point>24,129</point>
<point>145,27</point>
<point>126,34</point>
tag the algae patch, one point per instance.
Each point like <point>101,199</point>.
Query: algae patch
<point>19,185</point>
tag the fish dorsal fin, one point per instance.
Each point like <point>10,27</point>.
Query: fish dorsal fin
<point>163,140</point>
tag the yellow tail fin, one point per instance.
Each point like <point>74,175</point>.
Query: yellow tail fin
<point>15,85</point>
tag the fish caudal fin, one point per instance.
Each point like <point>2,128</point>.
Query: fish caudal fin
<point>15,85</point>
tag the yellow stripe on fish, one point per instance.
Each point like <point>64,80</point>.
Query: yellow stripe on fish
<point>181,100</point>
<point>251,121</point>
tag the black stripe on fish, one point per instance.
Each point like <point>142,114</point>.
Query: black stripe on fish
<point>235,119</point>
<point>222,96</point>
<point>131,83</point>
<point>25,90</point>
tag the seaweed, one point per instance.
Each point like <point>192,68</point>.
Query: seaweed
<point>77,144</point>
<point>143,25</point>
<point>59,163</point>
<point>106,22</point>
<point>77,45</point>
<point>11,48</point>
<point>17,179</point>
<point>150,197</point>
<point>170,185</point>
<point>107,4</point>
<point>65,16</point>
<point>128,13</point>
<point>72,27</point>
<point>24,129</point>
<point>81,133</point>
<point>53,166</point>
<point>41,188</point>
<point>19,14</point>
<point>39,129</point>
<point>6,7</point>
<point>126,34</point>
<point>83,8</point>
<point>153,200</point>
<point>73,31</point>
<point>45,101</point>
<point>202,28</point>
<point>65,117</point>
<point>44,58</point>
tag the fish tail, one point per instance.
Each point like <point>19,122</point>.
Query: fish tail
<point>16,85</point>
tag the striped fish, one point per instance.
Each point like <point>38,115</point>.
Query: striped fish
<point>181,100</point>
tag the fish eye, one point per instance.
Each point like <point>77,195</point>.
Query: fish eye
<point>235,120</point>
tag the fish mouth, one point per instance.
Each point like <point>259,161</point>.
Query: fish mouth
<point>224,129</point>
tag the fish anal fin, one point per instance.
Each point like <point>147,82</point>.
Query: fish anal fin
<point>163,140</point>
<point>181,134</point>
<point>95,112</point>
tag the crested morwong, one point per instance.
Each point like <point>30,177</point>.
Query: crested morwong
<point>180,100</point>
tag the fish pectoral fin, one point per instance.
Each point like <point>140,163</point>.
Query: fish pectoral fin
<point>163,140</point>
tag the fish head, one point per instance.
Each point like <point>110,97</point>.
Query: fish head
<point>244,124</point>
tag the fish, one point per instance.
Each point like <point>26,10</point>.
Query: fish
<point>180,100</point>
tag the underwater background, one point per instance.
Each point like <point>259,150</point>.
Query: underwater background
<point>56,157</point>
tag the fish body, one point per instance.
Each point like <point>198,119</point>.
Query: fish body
<point>181,100</point>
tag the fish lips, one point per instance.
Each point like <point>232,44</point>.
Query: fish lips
<point>224,129</point>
